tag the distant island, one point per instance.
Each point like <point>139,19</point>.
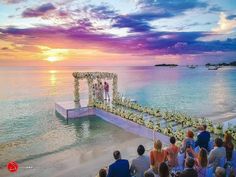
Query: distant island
<point>170,65</point>
<point>222,64</point>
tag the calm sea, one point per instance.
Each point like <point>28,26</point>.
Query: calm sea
<point>30,129</point>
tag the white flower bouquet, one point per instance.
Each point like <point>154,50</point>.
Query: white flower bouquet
<point>140,121</point>
<point>180,134</point>
<point>168,131</point>
<point>210,126</point>
<point>149,124</point>
<point>232,131</point>
<point>157,113</point>
<point>218,129</point>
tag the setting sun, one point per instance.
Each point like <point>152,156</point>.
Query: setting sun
<point>52,59</point>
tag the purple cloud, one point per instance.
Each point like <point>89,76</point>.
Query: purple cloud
<point>39,11</point>
<point>149,43</point>
<point>153,10</point>
<point>133,24</point>
<point>13,1</point>
<point>138,22</point>
<point>84,24</point>
<point>170,6</point>
<point>63,13</point>
<point>101,11</point>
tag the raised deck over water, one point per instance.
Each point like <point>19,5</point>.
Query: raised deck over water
<point>133,117</point>
<point>70,110</point>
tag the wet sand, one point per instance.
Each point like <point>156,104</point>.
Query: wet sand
<point>223,116</point>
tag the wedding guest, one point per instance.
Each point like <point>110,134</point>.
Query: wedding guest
<point>150,170</point>
<point>163,170</point>
<point>203,138</point>
<point>217,153</point>
<point>106,90</point>
<point>202,162</point>
<point>102,173</point>
<point>120,168</point>
<point>229,146</point>
<point>189,171</point>
<point>172,153</point>
<point>157,156</point>
<point>148,174</point>
<point>188,141</point>
<point>220,172</point>
<point>140,164</point>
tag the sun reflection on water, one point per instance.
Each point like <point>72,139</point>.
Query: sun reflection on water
<point>53,81</point>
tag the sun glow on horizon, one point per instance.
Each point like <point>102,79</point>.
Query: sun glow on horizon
<point>52,59</point>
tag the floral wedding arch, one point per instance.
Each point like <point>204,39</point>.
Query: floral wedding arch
<point>91,77</point>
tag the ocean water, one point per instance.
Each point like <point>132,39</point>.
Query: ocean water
<point>30,129</point>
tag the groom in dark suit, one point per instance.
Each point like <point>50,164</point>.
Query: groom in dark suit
<point>203,138</point>
<point>120,168</point>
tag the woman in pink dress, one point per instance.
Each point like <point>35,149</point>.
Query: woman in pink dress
<point>172,153</point>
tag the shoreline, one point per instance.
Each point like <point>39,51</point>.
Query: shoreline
<point>222,116</point>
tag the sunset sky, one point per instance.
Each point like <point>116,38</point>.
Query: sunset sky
<point>116,32</point>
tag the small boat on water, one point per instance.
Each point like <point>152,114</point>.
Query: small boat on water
<point>213,67</point>
<point>192,66</point>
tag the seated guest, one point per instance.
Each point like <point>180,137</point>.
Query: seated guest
<point>163,170</point>
<point>172,153</point>
<point>140,164</point>
<point>150,170</point>
<point>203,138</point>
<point>217,153</point>
<point>229,146</point>
<point>220,172</point>
<point>148,174</point>
<point>189,171</point>
<point>157,155</point>
<point>202,162</point>
<point>188,141</point>
<point>102,173</point>
<point>120,168</point>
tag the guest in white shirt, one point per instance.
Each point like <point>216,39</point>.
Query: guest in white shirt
<point>140,164</point>
<point>217,153</point>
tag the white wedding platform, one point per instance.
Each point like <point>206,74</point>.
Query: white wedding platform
<point>71,110</point>
<point>87,107</point>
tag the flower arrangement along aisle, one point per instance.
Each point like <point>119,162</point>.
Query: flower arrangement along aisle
<point>134,112</point>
